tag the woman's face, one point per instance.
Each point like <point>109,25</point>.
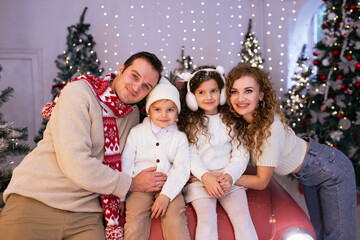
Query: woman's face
<point>245,95</point>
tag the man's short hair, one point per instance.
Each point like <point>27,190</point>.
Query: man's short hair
<point>151,58</point>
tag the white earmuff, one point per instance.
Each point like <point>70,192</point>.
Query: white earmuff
<point>221,71</point>
<point>190,97</point>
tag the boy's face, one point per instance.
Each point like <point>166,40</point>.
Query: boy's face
<point>163,113</point>
<point>135,82</point>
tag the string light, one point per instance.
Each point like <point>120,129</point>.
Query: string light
<point>196,26</point>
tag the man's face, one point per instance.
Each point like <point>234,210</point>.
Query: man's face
<point>135,82</point>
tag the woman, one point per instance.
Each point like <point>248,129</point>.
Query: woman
<point>326,174</point>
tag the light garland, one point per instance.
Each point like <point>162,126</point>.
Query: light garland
<point>185,24</point>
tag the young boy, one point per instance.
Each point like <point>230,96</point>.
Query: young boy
<point>158,142</point>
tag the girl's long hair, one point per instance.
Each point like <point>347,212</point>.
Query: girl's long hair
<point>194,123</point>
<point>252,135</point>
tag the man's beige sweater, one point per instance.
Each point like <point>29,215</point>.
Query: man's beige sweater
<point>65,170</point>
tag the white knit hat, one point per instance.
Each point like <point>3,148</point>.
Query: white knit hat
<point>163,90</point>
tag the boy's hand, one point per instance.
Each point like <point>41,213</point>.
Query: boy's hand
<point>160,205</point>
<point>225,182</point>
<point>122,208</point>
<point>212,185</point>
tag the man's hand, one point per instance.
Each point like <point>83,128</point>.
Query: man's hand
<point>160,205</point>
<point>225,182</point>
<point>122,208</point>
<point>148,181</point>
<point>212,185</point>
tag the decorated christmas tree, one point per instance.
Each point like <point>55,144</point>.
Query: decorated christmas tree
<point>294,105</point>
<point>250,53</point>
<point>78,59</point>
<point>12,141</point>
<point>332,110</point>
<point>186,65</point>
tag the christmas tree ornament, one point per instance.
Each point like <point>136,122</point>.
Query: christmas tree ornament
<point>331,16</point>
<point>344,124</point>
<point>325,62</point>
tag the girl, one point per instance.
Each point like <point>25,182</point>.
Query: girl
<point>326,174</point>
<point>212,149</point>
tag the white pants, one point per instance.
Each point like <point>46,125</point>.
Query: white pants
<point>235,205</point>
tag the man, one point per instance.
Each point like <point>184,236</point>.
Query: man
<point>54,192</point>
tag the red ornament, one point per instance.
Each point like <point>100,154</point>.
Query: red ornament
<point>357,66</point>
<point>340,116</point>
<point>352,6</point>
<point>336,147</point>
<point>339,76</point>
<point>315,53</point>
<point>349,57</point>
<point>324,25</point>
<point>336,52</point>
<point>342,86</point>
<point>315,62</point>
<point>322,77</point>
<point>357,85</point>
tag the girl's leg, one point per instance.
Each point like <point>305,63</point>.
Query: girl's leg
<point>205,209</point>
<point>236,206</point>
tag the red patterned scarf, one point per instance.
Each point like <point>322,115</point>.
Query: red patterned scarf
<point>111,107</point>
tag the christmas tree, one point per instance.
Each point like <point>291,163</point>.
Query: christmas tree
<point>332,111</point>
<point>12,141</point>
<point>186,65</point>
<point>250,53</point>
<point>78,59</point>
<point>294,105</point>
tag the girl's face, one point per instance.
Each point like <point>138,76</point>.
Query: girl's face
<point>208,96</point>
<point>245,95</point>
<point>163,113</point>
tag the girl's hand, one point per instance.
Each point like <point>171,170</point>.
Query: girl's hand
<point>212,185</point>
<point>122,208</point>
<point>225,182</point>
<point>193,179</point>
<point>160,205</point>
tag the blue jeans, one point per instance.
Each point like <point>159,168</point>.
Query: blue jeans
<point>328,180</point>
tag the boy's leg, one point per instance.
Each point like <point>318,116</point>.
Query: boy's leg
<point>236,206</point>
<point>174,223</point>
<point>205,209</point>
<point>138,211</point>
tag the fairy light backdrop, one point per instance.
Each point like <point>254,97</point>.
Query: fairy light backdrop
<point>211,32</point>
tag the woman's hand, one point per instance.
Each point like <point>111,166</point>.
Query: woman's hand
<point>160,205</point>
<point>212,185</point>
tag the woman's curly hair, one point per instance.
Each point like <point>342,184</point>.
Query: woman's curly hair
<point>194,123</point>
<point>252,135</point>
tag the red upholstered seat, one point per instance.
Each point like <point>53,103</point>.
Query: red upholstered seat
<point>272,210</point>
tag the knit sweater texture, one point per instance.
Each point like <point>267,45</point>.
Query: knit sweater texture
<point>65,170</point>
<point>218,152</point>
<point>169,153</point>
<point>283,149</point>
